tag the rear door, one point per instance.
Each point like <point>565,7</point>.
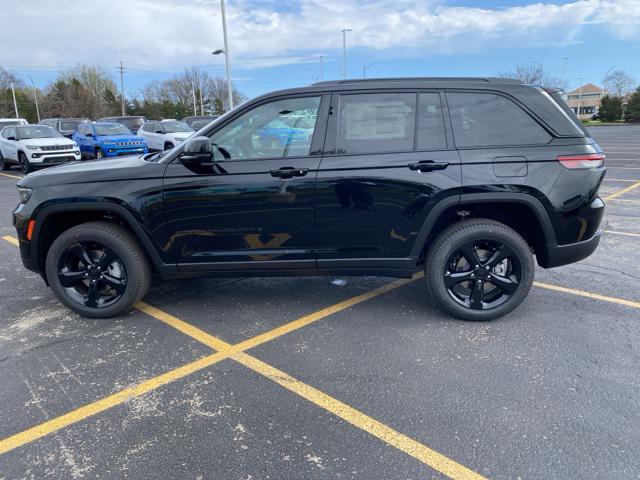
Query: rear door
<point>388,161</point>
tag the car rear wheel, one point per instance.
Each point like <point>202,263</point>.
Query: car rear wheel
<point>99,154</point>
<point>479,269</point>
<point>98,269</point>
<point>23,161</point>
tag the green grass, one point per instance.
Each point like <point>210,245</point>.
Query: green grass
<point>600,122</point>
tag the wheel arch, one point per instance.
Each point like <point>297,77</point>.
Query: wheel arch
<point>52,220</point>
<point>513,209</point>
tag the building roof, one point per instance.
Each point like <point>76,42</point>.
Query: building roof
<point>588,88</point>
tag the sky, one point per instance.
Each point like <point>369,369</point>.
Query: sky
<point>277,44</point>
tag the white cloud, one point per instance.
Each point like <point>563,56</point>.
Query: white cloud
<point>170,34</point>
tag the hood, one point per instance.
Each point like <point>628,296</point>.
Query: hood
<point>181,135</point>
<point>120,168</point>
<point>47,141</point>
<point>118,138</point>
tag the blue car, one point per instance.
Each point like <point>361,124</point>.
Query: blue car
<point>100,140</point>
<point>279,134</point>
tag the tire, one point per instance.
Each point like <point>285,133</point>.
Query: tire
<point>99,154</point>
<point>23,161</point>
<point>4,166</point>
<point>168,146</point>
<point>487,289</point>
<point>132,280</point>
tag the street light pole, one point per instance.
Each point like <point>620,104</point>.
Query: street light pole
<point>580,79</point>
<point>321,67</point>
<point>227,59</point>
<point>122,88</point>
<point>344,51</point>
<point>15,104</point>
<point>35,97</point>
<point>364,67</point>
<point>200,88</point>
<point>193,94</point>
<point>564,73</point>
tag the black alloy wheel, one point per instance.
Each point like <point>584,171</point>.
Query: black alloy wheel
<point>92,274</point>
<point>482,274</point>
<point>25,166</point>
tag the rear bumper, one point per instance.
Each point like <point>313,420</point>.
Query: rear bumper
<point>557,255</point>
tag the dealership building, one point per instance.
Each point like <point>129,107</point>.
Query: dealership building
<point>585,100</point>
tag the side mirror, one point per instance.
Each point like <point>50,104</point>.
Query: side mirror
<point>89,134</point>
<point>198,151</point>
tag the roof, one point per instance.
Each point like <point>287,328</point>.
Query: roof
<point>420,79</point>
<point>588,88</point>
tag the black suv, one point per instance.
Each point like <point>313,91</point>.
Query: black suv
<point>465,178</point>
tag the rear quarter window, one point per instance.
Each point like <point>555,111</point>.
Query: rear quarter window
<point>487,119</point>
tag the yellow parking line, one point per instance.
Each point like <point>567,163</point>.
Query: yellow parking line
<point>622,191</point>
<point>619,180</point>
<point>622,233</point>
<point>74,416</point>
<point>417,450</point>
<point>10,176</point>
<point>594,296</point>
<point>11,240</point>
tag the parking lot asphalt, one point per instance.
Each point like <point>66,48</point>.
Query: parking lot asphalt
<point>292,378</point>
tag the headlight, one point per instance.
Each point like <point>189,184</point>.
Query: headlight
<point>24,193</point>
<point>74,145</point>
<point>32,147</point>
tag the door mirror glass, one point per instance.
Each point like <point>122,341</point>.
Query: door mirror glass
<point>197,150</point>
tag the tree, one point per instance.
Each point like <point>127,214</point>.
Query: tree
<point>610,108</point>
<point>533,73</point>
<point>633,107</point>
<point>618,83</point>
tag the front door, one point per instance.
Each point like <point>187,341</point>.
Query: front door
<point>253,208</point>
<point>388,161</point>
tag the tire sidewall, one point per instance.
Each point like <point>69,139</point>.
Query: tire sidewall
<point>126,255</point>
<point>25,166</point>
<point>440,252</point>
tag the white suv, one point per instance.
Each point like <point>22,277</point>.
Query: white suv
<point>5,122</point>
<point>165,134</point>
<point>32,146</point>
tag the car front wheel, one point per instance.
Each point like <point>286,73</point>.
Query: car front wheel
<point>23,161</point>
<point>479,269</point>
<point>98,269</point>
<point>99,154</point>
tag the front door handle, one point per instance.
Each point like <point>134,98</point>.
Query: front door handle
<point>289,172</point>
<point>428,166</point>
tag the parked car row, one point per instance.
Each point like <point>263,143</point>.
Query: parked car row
<point>42,145</point>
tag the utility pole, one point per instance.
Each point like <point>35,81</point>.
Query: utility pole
<point>580,79</point>
<point>564,73</point>
<point>15,104</point>
<point>193,93</point>
<point>344,51</point>
<point>227,56</point>
<point>321,67</point>
<point>122,87</point>
<point>35,97</point>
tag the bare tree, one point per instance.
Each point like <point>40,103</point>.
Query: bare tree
<point>533,73</point>
<point>619,83</point>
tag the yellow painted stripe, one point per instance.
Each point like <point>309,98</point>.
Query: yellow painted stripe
<point>622,191</point>
<point>411,447</point>
<point>622,233</point>
<point>320,314</point>
<point>11,240</point>
<point>106,403</point>
<point>624,200</point>
<point>594,296</point>
<point>10,176</point>
<point>620,180</point>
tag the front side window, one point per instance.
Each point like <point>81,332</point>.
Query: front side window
<point>283,128</point>
<point>487,119</point>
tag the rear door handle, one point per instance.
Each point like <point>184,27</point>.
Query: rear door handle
<point>289,172</point>
<point>428,166</point>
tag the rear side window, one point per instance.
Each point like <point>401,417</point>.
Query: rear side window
<point>486,119</point>
<point>376,123</point>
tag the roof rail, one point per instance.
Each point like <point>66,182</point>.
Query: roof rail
<point>422,79</point>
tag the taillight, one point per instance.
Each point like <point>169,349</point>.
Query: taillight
<point>591,160</point>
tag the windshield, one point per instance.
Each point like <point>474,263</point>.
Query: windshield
<point>37,131</point>
<point>11,122</point>
<point>71,124</point>
<point>198,124</point>
<point>132,123</point>
<point>174,126</point>
<point>111,129</point>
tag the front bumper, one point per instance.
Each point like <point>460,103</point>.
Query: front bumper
<point>49,159</point>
